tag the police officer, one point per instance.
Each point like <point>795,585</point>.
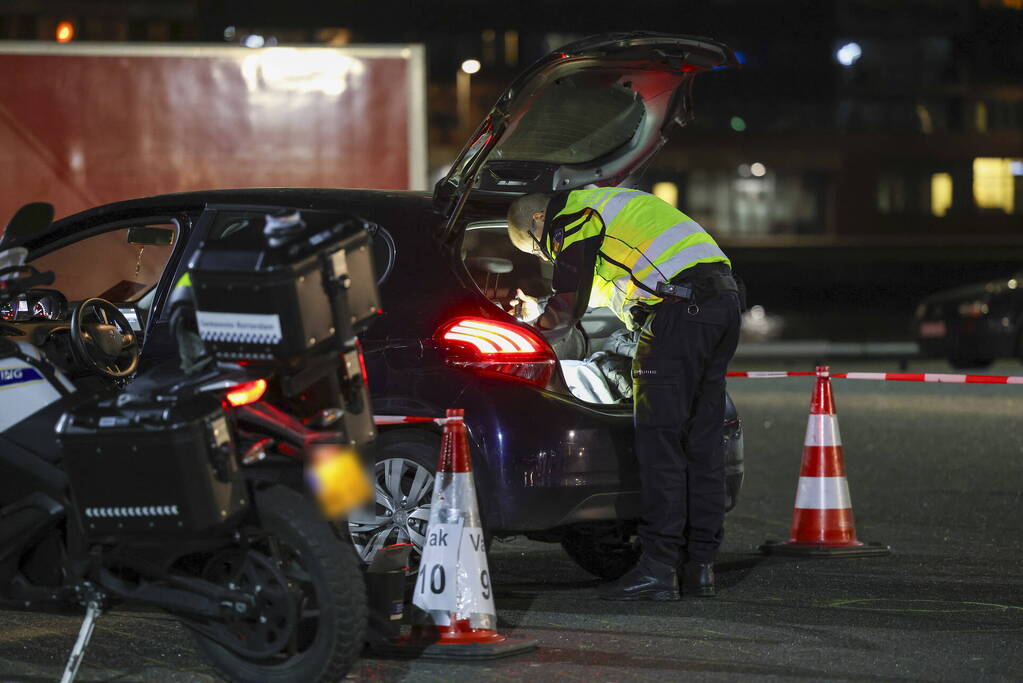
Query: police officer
<point>664,276</point>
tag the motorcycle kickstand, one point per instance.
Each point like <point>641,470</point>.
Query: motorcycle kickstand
<point>92,612</point>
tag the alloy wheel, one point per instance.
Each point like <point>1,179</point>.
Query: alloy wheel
<point>404,489</point>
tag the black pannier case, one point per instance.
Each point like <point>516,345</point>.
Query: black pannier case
<point>152,467</point>
<point>275,284</point>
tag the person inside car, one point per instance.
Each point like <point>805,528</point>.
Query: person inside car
<point>664,276</point>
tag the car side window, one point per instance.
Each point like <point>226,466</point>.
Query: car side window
<point>121,264</point>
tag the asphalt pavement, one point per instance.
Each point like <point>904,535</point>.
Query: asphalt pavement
<point>935,471</point>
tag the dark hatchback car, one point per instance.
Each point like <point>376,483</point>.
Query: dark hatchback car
<point>973,325</point>
<point>551,436</point>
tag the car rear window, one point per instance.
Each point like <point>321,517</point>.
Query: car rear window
<point>575,121</point>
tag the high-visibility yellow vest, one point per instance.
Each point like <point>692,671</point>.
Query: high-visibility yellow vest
<point>645,240</point>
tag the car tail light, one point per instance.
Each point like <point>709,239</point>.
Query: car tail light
<point>973,309</point>
<point>244,394</point>
<point>497,348</point>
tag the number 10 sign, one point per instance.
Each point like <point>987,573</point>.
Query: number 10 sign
<point>453,574</point>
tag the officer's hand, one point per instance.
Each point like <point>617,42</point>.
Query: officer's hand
<point>525,307</point>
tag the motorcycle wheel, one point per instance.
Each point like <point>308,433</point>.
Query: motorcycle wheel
<point>325,571</point>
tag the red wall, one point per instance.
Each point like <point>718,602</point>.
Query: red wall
<point>78,131</point>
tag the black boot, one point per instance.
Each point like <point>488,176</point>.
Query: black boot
<point>705,581</point>
<point>648,580</point>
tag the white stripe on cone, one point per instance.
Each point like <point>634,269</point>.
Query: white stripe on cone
<point>823,493</point>
<point>822,430</point>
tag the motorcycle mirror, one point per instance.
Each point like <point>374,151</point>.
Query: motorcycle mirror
<point>148,237</point>
<point>29,219</point>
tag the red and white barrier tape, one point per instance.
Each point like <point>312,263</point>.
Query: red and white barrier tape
<point>412,419</point>
<point>771,374</point>
<point>891,377</point>
<point>930,377</point>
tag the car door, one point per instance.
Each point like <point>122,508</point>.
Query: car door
<point>107,258</point>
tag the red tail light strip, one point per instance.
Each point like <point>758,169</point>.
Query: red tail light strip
<point>481,344</point>
<point>494,347</point>
<point>508,339</point>
<point>489,337</point>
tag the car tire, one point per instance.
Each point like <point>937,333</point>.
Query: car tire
<point>409,453</point>
<point>606,550</point>
<point>419,450</point>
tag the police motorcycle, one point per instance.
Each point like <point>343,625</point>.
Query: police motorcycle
<point>158,491</point>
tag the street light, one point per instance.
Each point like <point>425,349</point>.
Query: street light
<point>463,85</point>
<point>849,54</point>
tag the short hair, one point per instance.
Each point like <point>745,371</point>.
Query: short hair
<point>520,218</point>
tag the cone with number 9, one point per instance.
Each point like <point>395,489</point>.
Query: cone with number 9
<point>453,594</point>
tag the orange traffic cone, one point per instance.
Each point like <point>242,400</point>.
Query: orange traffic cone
<point>453,592</point>
<point>822,520</point>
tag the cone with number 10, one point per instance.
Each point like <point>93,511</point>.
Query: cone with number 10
<point>454,596</point>
<point>822,520</point>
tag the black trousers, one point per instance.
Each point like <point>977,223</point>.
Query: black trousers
<point>679,385</point>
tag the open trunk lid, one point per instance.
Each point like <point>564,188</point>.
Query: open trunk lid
<point>591,112</point>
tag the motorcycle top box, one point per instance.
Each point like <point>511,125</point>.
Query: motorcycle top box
<point>152,466</point>
<point>275,285</point>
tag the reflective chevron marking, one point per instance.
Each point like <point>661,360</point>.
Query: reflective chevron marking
<point>134,511</point>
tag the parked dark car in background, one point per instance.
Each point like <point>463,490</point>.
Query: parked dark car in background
<point>551,438</point>
<point>973,325</point>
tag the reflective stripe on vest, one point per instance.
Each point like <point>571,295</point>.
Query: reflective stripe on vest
<point>644,241</point>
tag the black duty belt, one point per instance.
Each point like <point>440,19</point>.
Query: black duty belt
<point>692,286</point>
<point>705,281</point>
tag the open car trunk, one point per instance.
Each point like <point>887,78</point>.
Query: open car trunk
<point>594,358</point>
<point>591,113</point>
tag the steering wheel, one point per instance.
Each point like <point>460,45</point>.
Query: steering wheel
<point>108,346</point>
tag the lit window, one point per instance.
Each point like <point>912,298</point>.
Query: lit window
<point>941,193</point>
<point>334,36</point>
<point>666,191</point>
<point>980,116</point>
<point>511,48</point>
<point>993,183</point>
<point>926,121</point>
<point>489,40</point>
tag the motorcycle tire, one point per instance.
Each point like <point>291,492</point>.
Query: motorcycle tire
<point>332,568</point>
